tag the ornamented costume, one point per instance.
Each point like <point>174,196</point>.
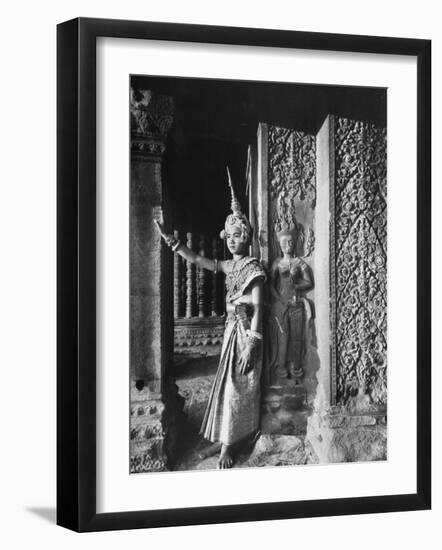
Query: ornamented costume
<point>233,409</point>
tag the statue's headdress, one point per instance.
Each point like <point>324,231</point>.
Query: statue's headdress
<point>236,218</point>
<point>286,229</point>
<point>286,224</point>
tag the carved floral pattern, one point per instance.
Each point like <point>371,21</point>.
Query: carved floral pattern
<point>292,182</point>
<point>360,261</point>
<point>292,163</point>
<point>209,332</point>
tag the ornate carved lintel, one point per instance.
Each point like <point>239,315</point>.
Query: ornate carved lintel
<point>196,333</point>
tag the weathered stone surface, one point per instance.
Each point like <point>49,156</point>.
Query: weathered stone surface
<point>149,445</point>
<point>142,391</point>
<point>297,400</point>
<point>363,420</point>
<point>146,430</point>
<point>151,113</point>
<point>270,424</point>
<point>156,428</point>
<point>285,421</point>
<point>269,450</point>
<point>347,439</point>
<point>284,410</point>
<point>195,383</point>
<point>210,463</point>
<point>336,421</point>
<point>280,450</point>
<point>147,462</point>
<point>154,406</point>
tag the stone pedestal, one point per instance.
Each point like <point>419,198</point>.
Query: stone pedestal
<point>285,409</point>
<point>147,433</point>
<point>342,435</point>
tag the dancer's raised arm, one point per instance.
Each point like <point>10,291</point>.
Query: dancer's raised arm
<point>188,254</point>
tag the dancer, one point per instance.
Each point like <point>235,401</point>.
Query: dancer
<point>233,410</point>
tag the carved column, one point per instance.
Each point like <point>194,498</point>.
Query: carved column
<point>324,236</point>
<point>176,281</point>
<point>151,288</point>
<point>214,304</point>
<point>360,278</point>
<point>260,246</point>
<point>349,420</point>
<point>190,280</point>
<point>201,281</point>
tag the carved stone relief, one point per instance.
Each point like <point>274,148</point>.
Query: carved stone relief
<point>197,332</point>
<point>150,114</point>
<point>292,186</point>
<point>292,163</point>
<point>359,258</point>
<point>146,431</point>
<point>290,358</point>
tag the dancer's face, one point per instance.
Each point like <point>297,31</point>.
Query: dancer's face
<point>235,240</point>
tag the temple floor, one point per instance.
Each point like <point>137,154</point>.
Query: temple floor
<point>194,377</point>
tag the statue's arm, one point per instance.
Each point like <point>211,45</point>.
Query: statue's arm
<point>273,280</point>
<point>306,283</point>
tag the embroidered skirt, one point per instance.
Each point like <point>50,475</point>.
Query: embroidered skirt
<point>233,410</point>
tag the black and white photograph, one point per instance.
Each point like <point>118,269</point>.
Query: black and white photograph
<point>258,274</point>
<point>220,275</point>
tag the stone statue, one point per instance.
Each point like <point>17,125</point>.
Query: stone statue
<point>289,311</point>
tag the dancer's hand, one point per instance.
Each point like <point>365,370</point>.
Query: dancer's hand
<point>251,351</point>
<point>245,362</point>
<point>170,240</point>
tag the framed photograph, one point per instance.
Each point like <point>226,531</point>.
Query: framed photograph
<point>243,274</point>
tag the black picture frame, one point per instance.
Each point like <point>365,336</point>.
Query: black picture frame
<point>76,274</point>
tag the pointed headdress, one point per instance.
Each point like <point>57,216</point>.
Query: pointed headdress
<point>286,229</point>
<point>286,224</point>
<point>236,218</point>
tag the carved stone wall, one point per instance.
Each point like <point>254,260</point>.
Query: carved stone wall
<point>199,336</point>
<point>349,418</point>
<point>291,176</point>
<point>358,256</point>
